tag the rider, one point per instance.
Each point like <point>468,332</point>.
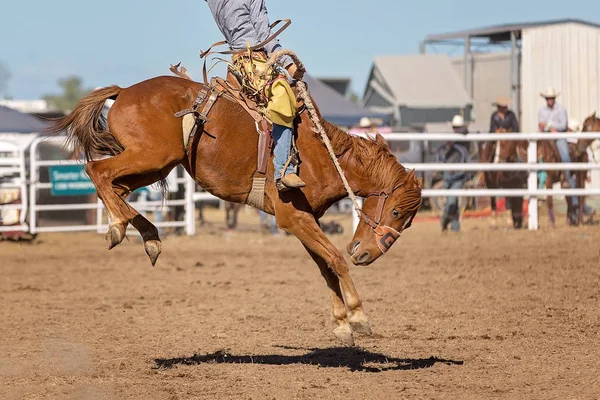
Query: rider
<point>453,152</point>
<point>553,118</point>
<point>503,118</point>
<point>243,23</point>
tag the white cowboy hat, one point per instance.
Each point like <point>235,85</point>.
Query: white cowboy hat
<point>550,93</point>
<point>574,125</point>
<point>458,121</point>
<point>365,122</point>
<point>502,101</point>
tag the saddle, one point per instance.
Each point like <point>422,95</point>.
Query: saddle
<point>233,89</point>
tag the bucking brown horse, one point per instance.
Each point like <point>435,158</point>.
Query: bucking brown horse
<point>146,141</point>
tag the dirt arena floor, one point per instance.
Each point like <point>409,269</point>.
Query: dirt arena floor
<point>488,313</point>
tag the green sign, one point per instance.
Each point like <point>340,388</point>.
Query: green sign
<point>70,180</point>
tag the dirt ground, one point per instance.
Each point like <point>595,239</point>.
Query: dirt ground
<point>487,313</point>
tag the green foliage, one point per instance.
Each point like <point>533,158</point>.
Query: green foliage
<point>72,92</point>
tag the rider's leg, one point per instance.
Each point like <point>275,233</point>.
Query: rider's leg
<point>282,136</point>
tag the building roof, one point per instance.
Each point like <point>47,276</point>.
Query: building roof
<point>13,121</point>
<point>336,108</point>
<point>421,81</point>
<point>500,33</point>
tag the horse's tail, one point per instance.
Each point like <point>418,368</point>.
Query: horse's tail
<point>84,128</point>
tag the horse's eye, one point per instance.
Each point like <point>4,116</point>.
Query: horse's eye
<point>395,214</point>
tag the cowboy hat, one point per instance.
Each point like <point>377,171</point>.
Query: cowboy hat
<point>365,122</point>
<point>502,101</point>
<point>458,121</point>
<point>550,93</point>
<point>574,125</point>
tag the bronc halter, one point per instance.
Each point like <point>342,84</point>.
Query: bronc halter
<point>386,235</point>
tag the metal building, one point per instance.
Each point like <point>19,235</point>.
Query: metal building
<point>560,53</point>
<point>416,89</point>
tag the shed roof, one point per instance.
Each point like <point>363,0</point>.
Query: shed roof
<point>499,33</point>
<point>14,121</point>
<point>422,81</point>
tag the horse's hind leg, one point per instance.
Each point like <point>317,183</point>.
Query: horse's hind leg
<point>108,175</point>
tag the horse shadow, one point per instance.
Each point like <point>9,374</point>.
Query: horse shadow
<point>352,358</point>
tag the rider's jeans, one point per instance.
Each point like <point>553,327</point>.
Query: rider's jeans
<point>282,136</point>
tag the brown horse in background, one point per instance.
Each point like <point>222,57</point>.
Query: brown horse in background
<point>490,152</point>
<point>548,153</point>
<point>146,141</point>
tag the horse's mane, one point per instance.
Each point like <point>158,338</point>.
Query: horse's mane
<point>371,154</point>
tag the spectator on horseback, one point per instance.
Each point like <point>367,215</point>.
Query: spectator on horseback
<point>246,23</point>
<point>553,118</point>
<point>453,153</point>
<point>503,118</point>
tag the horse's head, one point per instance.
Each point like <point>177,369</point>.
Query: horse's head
<point>383,218</point>
<point>591,124</point>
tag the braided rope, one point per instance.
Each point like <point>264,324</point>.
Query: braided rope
<point>314,118</point>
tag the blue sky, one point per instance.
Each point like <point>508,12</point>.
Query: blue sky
<point>125,41</point>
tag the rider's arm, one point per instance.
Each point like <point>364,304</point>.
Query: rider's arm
<point>260,20</point>
<point>234,21</point>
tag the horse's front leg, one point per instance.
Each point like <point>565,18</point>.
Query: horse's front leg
<point>347,310</point>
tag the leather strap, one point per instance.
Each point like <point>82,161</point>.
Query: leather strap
<point>380,204</point>
<point>243,101</point>
<point>264,147</point>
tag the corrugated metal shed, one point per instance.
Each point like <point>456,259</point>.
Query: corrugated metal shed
<point>490,79</point>
<point>565,56</point>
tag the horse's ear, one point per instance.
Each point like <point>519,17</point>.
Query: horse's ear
<point>410,178</point>
<point>420,183</point>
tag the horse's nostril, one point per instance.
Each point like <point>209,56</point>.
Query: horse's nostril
<point>364,257</point>
<point>353,247</point>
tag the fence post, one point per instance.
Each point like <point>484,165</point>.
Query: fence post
<point>531,186</point>
<point>190,206</point>
<point>33,181</point>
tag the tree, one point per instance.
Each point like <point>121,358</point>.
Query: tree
<point>72,92</point>
<point>4,77</point>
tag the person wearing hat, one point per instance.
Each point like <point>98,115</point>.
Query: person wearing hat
<point>246,23</point>
<point>553,118</point>
<point>503,118</point>
<point>459,126</point>
<point>453,153</point>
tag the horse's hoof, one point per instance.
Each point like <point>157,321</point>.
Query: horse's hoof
<point>153,249</point>
<point>114,236</point>
<point>344,334</point>
<point>360,324</point>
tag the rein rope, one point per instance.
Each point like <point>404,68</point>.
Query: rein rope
<point>314,118</point>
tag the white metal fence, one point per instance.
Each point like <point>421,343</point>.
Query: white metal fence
<point>37,163</point>
<point>13,175</point>
<point>17,164</point>
<point>531,166</point>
